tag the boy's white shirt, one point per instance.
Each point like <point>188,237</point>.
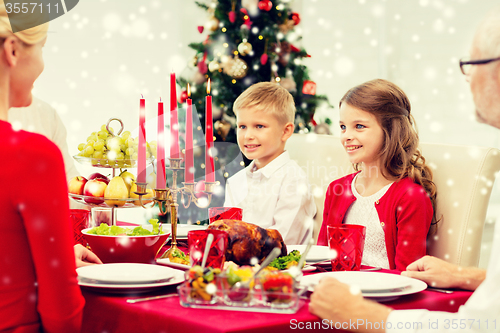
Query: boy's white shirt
<point>277,196</point>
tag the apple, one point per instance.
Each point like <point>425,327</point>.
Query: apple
<point>94,190</point>
<point>76,185</point>
<point>97,175</point>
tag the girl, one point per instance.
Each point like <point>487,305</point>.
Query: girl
<point>392,192</point>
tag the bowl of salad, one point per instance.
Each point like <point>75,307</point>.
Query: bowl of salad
<point>113,244</point>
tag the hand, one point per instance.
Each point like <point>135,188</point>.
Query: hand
<point>441,274</point>
<point>340,303</point>
<point>85,257</point>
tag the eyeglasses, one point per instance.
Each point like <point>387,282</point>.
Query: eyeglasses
<point>465,64</point>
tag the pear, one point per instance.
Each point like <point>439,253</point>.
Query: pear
<point>116,189</point>
<point>128,177</point>
<point>149,194</point>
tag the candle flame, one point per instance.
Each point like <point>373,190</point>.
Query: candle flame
<point>142,96</point>
<point>160,99</point>
<point>208,87</point>
<point>189,90</point>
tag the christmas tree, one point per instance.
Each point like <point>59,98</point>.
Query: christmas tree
<point>249,41</point>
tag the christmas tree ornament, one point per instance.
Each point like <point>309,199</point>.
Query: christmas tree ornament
<point>251,5</point>
<point>212,24</point>
<point>309,88</point>
<point>213,66</point>
<point>244,48</point>
<point>202,67</point>
<point>263,59</point>
<point>193,62</point>
<point>295,17</point>
<point>287,26</point>
<point>236,68</point>
<point>200,29</point>
<point>232,13</point>
<point>289,84</point>
<point>183,97</point>
<point>222,127</point>
<point>265,5</point>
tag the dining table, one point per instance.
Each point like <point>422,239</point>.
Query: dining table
<point>108,312</point>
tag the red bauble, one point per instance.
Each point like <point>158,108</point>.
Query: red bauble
<point>263,59</point>
<point>266,5</point>
<point>232,16</point>
<point>309,88</point>
<point>202,67</point>
<point>295,18</point>
<point>183,97</point>
<point>200,29</point>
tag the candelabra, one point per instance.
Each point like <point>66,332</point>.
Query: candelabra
<point>167,198</point>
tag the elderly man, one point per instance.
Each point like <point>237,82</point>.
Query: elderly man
<point>333,300</point>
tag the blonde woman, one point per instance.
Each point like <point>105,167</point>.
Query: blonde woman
<point>38,286</point>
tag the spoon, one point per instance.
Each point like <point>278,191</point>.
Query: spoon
<point>273,255</point>
<point>210,239</point>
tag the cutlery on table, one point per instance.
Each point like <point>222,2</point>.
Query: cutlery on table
<point>210,239</point>
<point>304,255</point>
<point>439,290</point>
<point>137,300</point>
<point>271,256</point>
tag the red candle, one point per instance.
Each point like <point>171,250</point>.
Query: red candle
<point>160,150</point>
<point>174,124</point>
<point>209,138</point>
<point>141,154</point>
<point>189,161</point>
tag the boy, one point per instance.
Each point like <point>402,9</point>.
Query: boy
<point>273,190</point>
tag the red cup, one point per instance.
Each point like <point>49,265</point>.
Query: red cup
<point>348,241</point>
<point>80,218</point>
<point>197,239</point>
<point>221,213</point>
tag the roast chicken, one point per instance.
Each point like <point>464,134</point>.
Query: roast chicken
<point>247,240</point>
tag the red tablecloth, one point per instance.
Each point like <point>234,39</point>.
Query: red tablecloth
<point>111,313</point>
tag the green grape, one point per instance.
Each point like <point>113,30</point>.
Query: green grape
<point>81,146</point>
<point>114,144</point>
<point>97,154</point>
<point>123,147</point>
<point>129,151</point>
<point>82,153</point>
<point>93,133</point>
<point>103,128</point>
<point>92,137</point>
<point>90,143</point>
<point>111,130</point>
<point>89,151</point>
<point>134,156</point>
<point>125,135</point>
<point>99,145</point>
<point>129,142</point>
<point>102,135</point>
<point>120,156</point>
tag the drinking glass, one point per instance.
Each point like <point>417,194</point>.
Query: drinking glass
<point>80,218</point>
<point>217,253</point>
<point>348,241</point>
<point>222,213</point>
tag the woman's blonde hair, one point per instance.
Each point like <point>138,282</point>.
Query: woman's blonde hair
<point>399,154</point>
<point>29,36</point>
<point>268,97</point>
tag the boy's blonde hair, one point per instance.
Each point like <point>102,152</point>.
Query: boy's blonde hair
<point>267,97</point>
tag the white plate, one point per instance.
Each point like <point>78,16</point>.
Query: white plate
<point>371,284</point>
<point>182,229</point>
<point>177,278</point>
<point>167,262</point>
<point>316,253</point>
<point>124,273</point>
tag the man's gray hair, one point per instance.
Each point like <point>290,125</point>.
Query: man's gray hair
<point>488,35</point>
